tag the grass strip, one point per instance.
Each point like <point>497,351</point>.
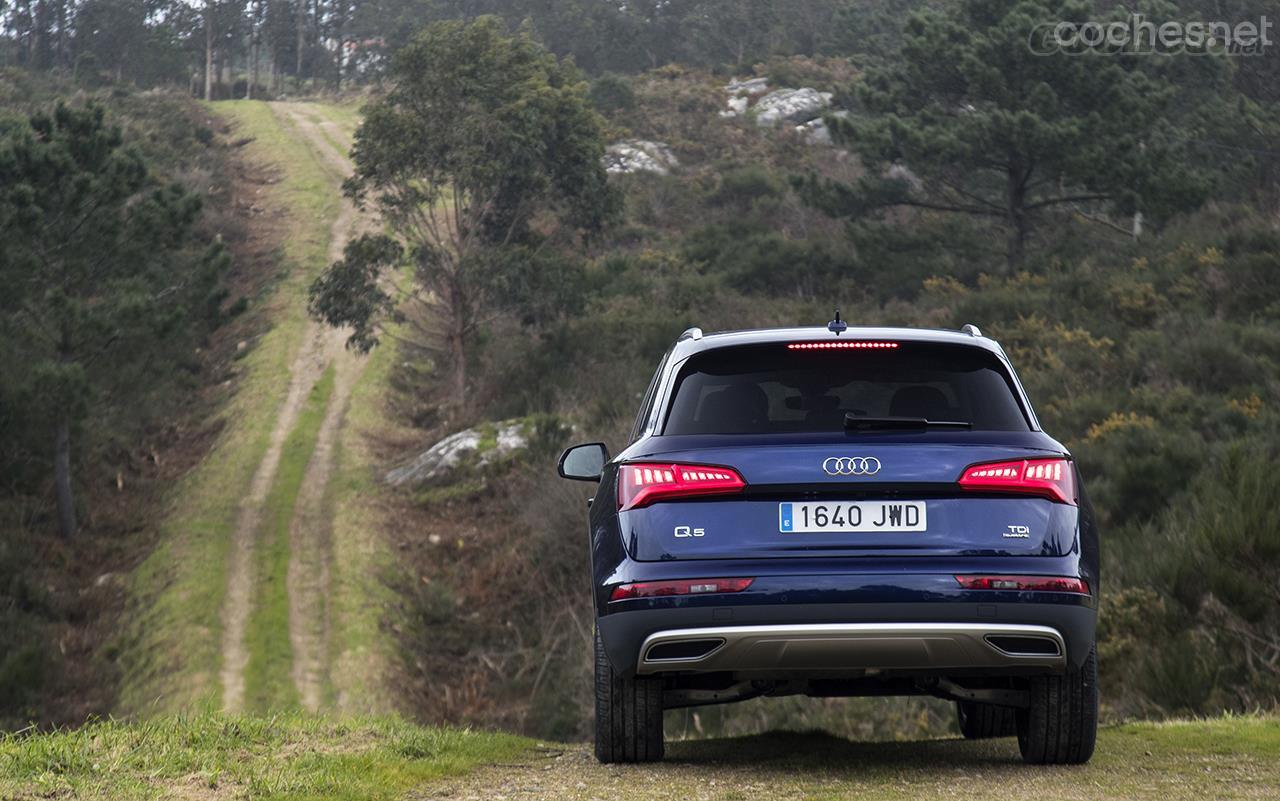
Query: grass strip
<point>268,678</point>
<point>290,756</point>
<point>360,650</point>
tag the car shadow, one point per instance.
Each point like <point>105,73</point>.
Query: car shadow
<point>792,751</point>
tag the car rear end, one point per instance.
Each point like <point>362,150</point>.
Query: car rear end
<point>870,513</point>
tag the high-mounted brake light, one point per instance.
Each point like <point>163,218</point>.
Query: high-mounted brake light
<point>655,589</point>
<point>1025,583</point>
<point>843,345</point>
<point>1050,478</point>
<point>643,484</point>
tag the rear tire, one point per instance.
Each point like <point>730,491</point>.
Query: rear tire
<point>628,714</point>
<point>979,721</point>
<point>1060,727</point>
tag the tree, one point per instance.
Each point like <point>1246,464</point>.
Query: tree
<point>94,285</point>
<point>486,147</point>
<point>737,31</point>
<point>111,33</point>
<point>985,126</point>
<point>257,13</point>
<point>279,37</point>
<point>128,40</point>
<point>210,36</point>
<point>870,31</point>
<point>1243,126</point>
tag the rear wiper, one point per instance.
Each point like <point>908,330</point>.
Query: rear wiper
<point>853,422</point>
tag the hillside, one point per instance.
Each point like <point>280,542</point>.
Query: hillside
<point>1155,361</point>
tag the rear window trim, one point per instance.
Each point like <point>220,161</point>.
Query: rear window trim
<point>663,404</point>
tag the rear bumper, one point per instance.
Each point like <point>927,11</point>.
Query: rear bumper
<point>822,647</point>
<point>788,640</point>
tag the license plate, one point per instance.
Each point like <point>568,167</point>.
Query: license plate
<point>851,517</point>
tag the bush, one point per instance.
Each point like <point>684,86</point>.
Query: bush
<point>743,187</point>
<point>1135,468</point>
<point>23,652</point>
<point>1206,636</point>
<point>823,74</point>
<point>611,93</point>
<point>756,261</point>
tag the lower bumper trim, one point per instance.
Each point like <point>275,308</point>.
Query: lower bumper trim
<point>851,646</point>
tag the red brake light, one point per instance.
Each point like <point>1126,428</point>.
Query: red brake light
<point>643,484</point>
<point>1051,478</point>
<point>1025,583</point>
<point>654,589</point>
<point>844,344</point>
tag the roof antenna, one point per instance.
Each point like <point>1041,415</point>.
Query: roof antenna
<point>837,326</point>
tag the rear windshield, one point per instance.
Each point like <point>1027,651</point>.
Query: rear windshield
<point>768,389</point>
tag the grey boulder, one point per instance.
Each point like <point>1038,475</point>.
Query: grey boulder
<point>639,155</point>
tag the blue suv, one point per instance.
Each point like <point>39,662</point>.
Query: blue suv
<point>842,511</point>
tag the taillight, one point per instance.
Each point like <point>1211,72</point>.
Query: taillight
<point>843,344</point>
<point>656,589</point>
<point>643,484</point>
<point>1050,478</point>
<point>1025,583</point>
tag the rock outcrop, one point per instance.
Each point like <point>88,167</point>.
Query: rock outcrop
<point>747,86</point>
<point>817,132</point>
<point>481,447</point>
<point>795,106</point>
<point>639,155</point>
<point>737,106</point>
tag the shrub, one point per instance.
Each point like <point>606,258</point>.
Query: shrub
<point>1210,629</point>
<point>611,93</point>
<point>742,187</point>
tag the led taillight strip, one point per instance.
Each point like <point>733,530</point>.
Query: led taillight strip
<point>642,484</point>
<point>1048,478</point>
<point>842,345</point>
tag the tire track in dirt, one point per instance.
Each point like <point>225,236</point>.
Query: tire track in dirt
<point>310,529</point>
<point>304,372</point>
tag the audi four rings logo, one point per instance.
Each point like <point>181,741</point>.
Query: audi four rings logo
<point>851,466</point>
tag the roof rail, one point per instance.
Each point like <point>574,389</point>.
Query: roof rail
<point>694,333</point>
<point>971,329</point>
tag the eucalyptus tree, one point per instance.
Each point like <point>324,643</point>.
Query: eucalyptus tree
<point>485,151</point>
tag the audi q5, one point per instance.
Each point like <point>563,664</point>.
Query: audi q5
<point>842,511</point>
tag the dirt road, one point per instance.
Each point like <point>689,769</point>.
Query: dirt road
<point>310,529</point>
<point>1146,761</point>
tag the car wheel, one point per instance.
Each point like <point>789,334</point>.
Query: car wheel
<point>980,721</point>
<point>1060,726</point>
<point>628,714</point>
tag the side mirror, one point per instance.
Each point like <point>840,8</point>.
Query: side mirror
<point>583,462</point>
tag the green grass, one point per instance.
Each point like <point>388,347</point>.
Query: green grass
<point>210,755</point>
<point>268,678</point>
<point>360,650</point>
<point>342,144</point>
<point>293,756</point>
<point>345,114</point>
<point>171,650</point>
<point>362,603</point>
